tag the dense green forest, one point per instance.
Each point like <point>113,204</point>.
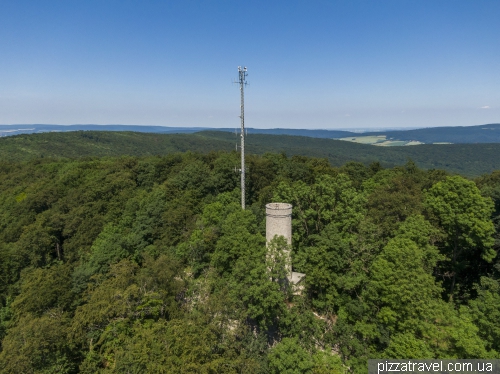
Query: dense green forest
<point>148,264</point>
<point>471,160</point>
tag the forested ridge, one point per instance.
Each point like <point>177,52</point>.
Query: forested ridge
<point>471,160</point>
<point>487,133</point>
<point>148,264</point>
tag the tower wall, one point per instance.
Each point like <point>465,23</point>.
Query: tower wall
<point>279,221</point>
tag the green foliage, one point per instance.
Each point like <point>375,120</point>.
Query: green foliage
<point>400,288</point>
<point>464,215</point>
<point>288,357</point>
<point>467,159</point>
<point>43,289</point>
<point>392,201</point>
<point>326,219</point>
<point>38,344</point>
<point>490,187</point>
<point>263,287</point>
<point>5,318</point>
<point>331,200</point>
<point>485,311</point>
<point>406,345</point>
<point>149,264</point>
<point>327,363</point>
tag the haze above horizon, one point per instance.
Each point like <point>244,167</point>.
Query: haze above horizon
<point>322,64</point>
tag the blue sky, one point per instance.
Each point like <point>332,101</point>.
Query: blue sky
<point>311,64</point>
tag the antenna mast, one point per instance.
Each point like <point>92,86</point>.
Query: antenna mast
<point>242,73</point>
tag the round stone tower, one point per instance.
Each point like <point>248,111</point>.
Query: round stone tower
<point>279,221</point>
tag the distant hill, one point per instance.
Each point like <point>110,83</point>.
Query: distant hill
<point>75,144</point>
<point>466,159</point>
<point>459,134</point>
<point>9,130</point>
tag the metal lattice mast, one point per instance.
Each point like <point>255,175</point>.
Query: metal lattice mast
<point>242,72</point>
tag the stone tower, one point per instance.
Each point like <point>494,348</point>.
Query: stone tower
<point>279,221</point>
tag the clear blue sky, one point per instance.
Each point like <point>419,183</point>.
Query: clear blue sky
<point>311,64</point>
